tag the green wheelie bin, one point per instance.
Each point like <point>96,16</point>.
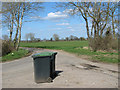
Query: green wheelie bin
<point>44,66</point>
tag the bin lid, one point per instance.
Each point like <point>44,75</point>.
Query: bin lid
<point>43,54</point>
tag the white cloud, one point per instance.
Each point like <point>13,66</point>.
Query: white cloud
<point>68,11</point>
<point>56,15</point>
<point>36,17</point>
<point>71,11</point>
<point>52,16</point>
<point>63,24</point>
<point>69,27</point>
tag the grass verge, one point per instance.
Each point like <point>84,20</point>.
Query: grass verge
<point>15,55</point>
<point>76,47</point>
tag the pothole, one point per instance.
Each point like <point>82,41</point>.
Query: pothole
<point>113,71</point>
<point>89,66</point>
<point>85,66</point>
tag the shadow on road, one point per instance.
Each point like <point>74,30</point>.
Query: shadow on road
<point>57,73</point>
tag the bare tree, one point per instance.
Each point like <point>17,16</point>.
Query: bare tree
<point>56,37</point>
<point>8,17</point>
<point>30,36</point>
<point>100,16</point>
<point>27,37</point>
<point>82,9</point>
<point>114,16</point>
<point>51,39</point>
<point>97,13</point>
<point>77,8</point>
<point>71,37</point>
<point>67,38</point>
<point>18,10</point>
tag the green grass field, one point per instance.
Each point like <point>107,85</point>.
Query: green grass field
<point>76,47</point>
<point>15,55</point>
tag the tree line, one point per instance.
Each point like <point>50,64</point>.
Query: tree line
<point>30,37</point>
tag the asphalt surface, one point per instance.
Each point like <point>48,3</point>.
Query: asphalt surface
<point>73,72</point>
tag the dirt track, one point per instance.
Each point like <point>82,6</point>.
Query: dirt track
<point>74,72</point>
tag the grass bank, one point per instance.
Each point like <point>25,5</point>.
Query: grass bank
<point>15,55</point>
<point>76,47</point>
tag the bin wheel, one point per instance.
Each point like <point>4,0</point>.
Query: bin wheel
<point>49,80</point>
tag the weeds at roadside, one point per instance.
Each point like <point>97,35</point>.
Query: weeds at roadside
<point>15,55</point>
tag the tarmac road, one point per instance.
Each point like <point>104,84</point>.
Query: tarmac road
<point>74,72</point>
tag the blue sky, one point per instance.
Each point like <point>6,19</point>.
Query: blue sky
<point>51,21</point>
